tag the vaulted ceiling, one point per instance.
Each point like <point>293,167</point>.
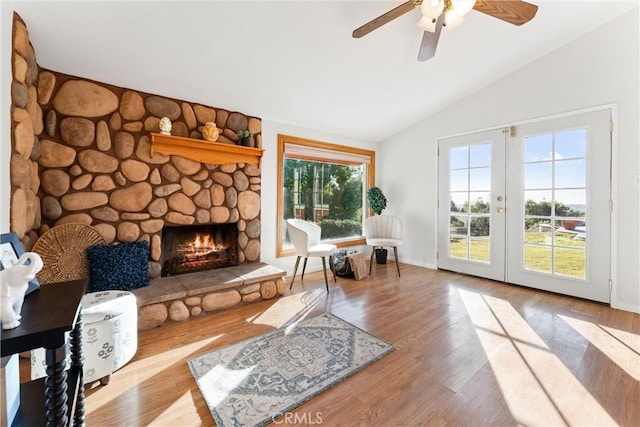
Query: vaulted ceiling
<point>295,62</point>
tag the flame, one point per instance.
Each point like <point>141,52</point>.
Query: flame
<point>203,241</point>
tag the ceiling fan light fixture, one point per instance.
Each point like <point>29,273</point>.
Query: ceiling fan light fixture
<point>432,8</point>
<point>427,24</point>
<point>452,20</point>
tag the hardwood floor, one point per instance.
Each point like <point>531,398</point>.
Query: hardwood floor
<point>469,351</point>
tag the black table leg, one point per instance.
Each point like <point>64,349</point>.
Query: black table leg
<point>55,387</point>
<point>77,361</point>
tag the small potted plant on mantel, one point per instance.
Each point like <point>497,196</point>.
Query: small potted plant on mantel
<point>245,137</point>
<point>377,203</point>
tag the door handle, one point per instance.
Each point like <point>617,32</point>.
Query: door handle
<point>499,210</point>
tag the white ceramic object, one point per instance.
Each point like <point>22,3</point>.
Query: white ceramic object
<point>165,126</point>
<point>14,282</point>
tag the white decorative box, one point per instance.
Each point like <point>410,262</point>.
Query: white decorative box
<point>9,389</point>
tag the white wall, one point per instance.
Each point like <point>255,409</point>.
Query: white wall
<point>270,131</point>
<point>598,68</point>
<point>5,116</point>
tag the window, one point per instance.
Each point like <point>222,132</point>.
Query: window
<point>326,184</point>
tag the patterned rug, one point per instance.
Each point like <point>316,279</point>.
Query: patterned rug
<point>257,380</point>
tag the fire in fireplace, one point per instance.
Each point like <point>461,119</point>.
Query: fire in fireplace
<point>198,247</point>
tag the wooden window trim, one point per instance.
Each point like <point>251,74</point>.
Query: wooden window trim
<point>282,139</point>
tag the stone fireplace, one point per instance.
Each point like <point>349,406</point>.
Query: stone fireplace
<point>191,248</point>
<point>83,152</point>
<point>95,164</point>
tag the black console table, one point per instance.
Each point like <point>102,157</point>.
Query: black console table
<point>49,312</point>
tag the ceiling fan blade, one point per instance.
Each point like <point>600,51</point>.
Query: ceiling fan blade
<point>383,19</point>
<point>515,12</point>
<point>430,41</point>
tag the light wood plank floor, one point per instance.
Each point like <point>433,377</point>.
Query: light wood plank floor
<point>469,351</point>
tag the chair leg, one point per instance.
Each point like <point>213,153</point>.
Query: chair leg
<point>105,380</point>
<point>295,270</point>
<point>395,254</point>
<point>373,251</point>
<point>304,267</point>
<point>333,268</point>
<point>324,269</point>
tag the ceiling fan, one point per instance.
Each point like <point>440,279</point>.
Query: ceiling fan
<point>437,14</point>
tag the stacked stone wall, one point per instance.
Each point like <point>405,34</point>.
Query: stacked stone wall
<point>26,129</point>
<point>81,153</point>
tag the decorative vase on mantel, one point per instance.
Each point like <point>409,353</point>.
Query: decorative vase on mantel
<point>246,141</point>
<point>210,132</point>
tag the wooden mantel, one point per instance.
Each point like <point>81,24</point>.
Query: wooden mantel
<point>214,153</point>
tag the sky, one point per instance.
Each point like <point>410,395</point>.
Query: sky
<point>550,161</point>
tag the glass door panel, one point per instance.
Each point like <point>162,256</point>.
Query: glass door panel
<point>555,180</point>
<point>469,181</point>
<point>560,208</point>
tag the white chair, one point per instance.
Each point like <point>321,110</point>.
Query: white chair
<point>381,231</point>
<point>305,237</point>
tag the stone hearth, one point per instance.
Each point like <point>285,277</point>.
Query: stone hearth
<point>179,298</point>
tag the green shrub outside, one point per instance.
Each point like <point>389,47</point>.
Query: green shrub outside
<point>337,228</point>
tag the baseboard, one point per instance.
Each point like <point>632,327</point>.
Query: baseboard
<point>627,307</point>
<point>419,264</point>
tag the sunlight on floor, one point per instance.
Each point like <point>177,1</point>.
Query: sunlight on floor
<point>535,384</point>
<point>288,309</point>
<point>622,353</point>
<point>173,415</point>
<point>130,376</point>
<point>221,380</point>
<point>627,338</point>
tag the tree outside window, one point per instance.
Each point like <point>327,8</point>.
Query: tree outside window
<point>323,184</point>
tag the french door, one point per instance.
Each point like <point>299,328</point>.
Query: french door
<point>530,205</point>
<point>472,226</point>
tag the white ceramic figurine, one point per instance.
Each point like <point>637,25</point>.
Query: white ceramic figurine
<point>165,126</point>
<point>14,281</point>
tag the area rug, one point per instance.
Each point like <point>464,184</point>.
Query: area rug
<point>260,379</point>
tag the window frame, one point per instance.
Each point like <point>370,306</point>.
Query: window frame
<point>370,182</point>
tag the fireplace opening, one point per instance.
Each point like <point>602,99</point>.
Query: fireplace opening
<point>186,249</point>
